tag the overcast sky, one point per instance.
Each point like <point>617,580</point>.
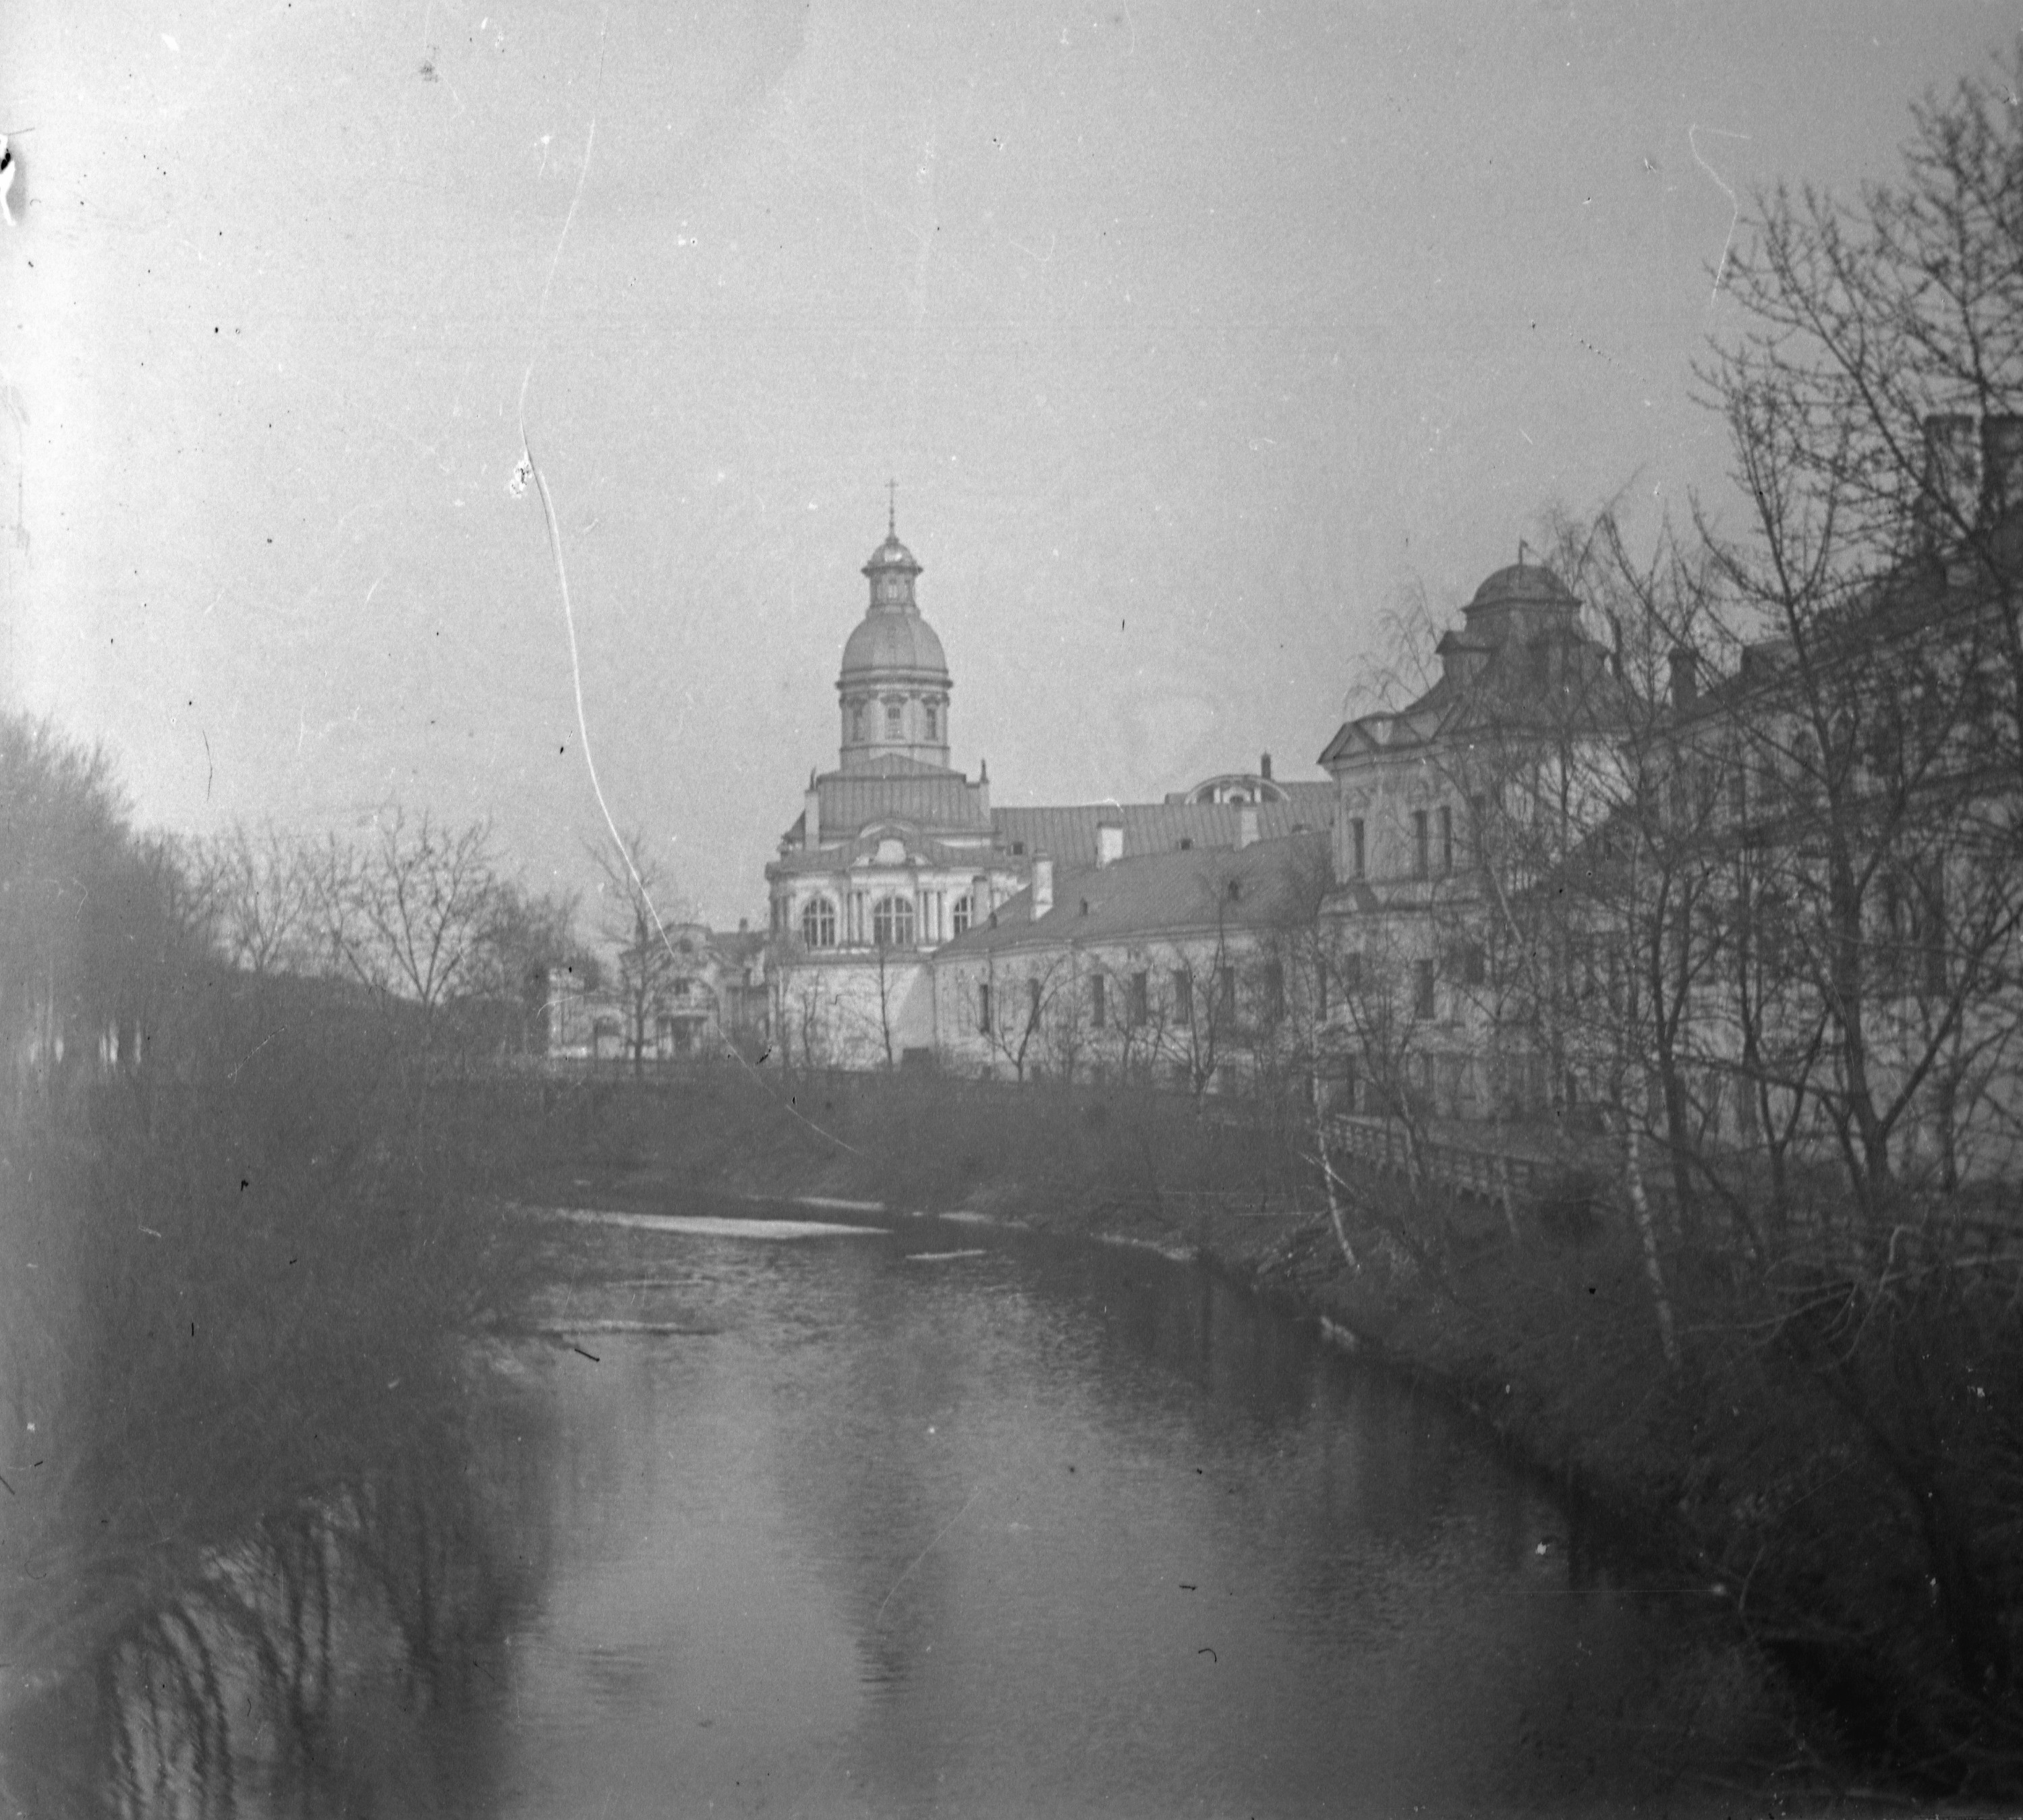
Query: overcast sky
<point>1194,336</point>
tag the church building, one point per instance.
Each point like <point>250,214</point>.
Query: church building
<point>896,852</point>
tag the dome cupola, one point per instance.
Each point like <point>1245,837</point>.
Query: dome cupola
<point>894,682</point>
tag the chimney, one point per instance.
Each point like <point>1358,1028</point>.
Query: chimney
<point>1685,677</point>
<point>1109,841</point>
<point>811,816</point>
<point>1265,766</point>
<point>1043,885</point>
<point>1246,824</point>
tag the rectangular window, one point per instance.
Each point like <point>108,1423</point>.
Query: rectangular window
<point>1184,997</point>
<point>1474,969</point>
<point>933,719</point>
<point>1355,848</point>
<point>983,1008</point>
<point>1422,989</point>
<point>1421,840</point>
<point>1225,996</point>
<point>1351,973</point>
<point>1096,1007</point>
<point>1141,999</point>
<point>894,720</point>
<point>1446,840</point>
<point>1033,1007</point>
<point>1275,991</point>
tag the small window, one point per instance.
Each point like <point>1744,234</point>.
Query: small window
<point>983,1007</point>
<point>1184,997</point>
<point>932,718</point>
<point>895,720</point>
<point>1421,840</point>
<point>1351,973</point>
<point>1355,848</point>
<point>1225,996</point>
<point>1275,991</point>
<point>1447,840</point>
<point>959,914</point>
<point>857,721</point>
<point>1141,999</point>
<point>1474,968</point>
<point>1033,1005</point>
<point>1422,989</point>
<point>1096,1006</point>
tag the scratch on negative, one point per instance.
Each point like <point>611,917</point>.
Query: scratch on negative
<point>924,1554</point>
<point>530,469</point>
<point>1727,189</point>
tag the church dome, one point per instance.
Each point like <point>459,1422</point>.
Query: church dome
<point>887,641</point>
<point>1531,582</point>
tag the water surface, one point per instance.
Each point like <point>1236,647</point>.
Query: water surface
<point>792,1520</point>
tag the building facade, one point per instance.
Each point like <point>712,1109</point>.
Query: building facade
<point>898,853</point>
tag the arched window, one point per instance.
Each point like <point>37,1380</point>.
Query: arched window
<point>892,922</point>
<point>819,923</point>
<point>895,722</point>
<point>959,913</point>
<point>857,721</point>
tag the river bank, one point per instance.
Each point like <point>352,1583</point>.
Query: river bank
<point>1744,1474</point>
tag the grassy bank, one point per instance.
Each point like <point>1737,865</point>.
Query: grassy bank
<point>1835,1458</point>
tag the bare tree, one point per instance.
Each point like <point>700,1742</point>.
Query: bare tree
<point>633,923</point>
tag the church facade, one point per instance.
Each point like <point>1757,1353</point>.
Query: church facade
<point>897,853</point>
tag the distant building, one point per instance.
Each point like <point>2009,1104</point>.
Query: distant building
<point>711,994</point>
<point>897,854</point>
<point>1430,1004</point>
<point>1180,967</point>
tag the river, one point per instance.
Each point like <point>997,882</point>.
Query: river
<point>929,1519</point>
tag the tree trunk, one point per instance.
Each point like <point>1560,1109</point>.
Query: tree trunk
<point>1646,1232</point>
<point>1329,1178</point>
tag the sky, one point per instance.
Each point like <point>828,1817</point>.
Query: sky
<point>1197,338</point>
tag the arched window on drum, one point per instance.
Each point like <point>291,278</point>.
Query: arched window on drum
<point>819,923</point>
<point>892,922</point>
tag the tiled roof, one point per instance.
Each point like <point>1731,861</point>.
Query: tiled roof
<point>1068,834</point>
<point>1172,893</point>
<point>900,789</point>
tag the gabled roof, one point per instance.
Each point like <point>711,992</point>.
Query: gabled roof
<point>1173,894</point>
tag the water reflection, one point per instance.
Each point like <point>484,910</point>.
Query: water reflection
<point>337,1654</point>
<point>809,1527</point>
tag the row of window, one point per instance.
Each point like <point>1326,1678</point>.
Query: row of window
<point>895,720</point>
<point>893,921</point>
<point>1137,1006</point>
<point>1433,846</point>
